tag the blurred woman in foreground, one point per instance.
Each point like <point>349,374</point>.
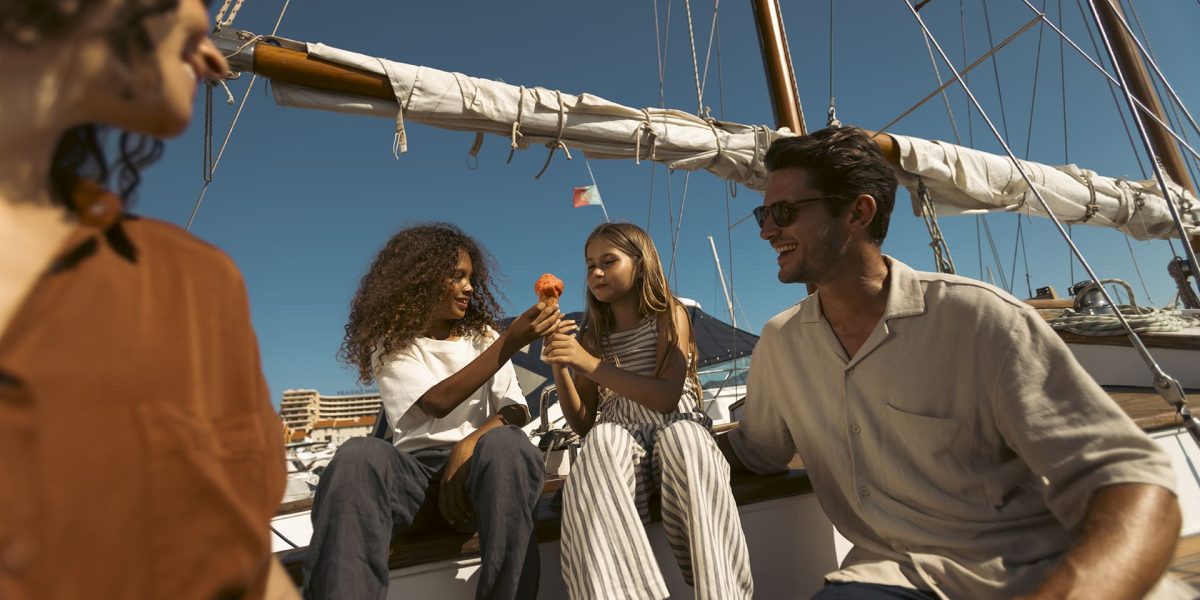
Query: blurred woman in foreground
<point>142,457</point>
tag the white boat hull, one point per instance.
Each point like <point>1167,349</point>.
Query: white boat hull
<point>1121,365</point>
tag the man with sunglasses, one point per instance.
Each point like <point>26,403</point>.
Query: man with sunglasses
<point>948,432</point>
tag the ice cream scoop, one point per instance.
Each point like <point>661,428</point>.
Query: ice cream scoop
<point>548,289</point>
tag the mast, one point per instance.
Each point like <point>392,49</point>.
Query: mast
<point>1141,87</point>
<point>1132,71</point>
<point>777,61</point>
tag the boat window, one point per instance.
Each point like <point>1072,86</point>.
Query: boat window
<point>725,374</point>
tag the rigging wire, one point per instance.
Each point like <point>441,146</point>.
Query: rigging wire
<point>677,228</point>
<point>1037,70</point>
<point>1175,104</point>
<point>1168,387</point>
<point>962,32</point>
<point>1142,108</point>
<point>941,87</point>
<point>1062,75</point>
<point>942,260</point>
<point>1159,176</point>
<point>995,69</point>
<point>687,4</point>
<point>831,119</point>
<point>979,244</point>
<point>995,255</point>
<point>726,188</point>
<point>662,36</point>
<point>1132,145</point>
<point>1148,54</point>
<point>1112,85</point>
<point>712,31</point>
<point>961,73</point>
<point>1008,284</point>
<point>1190,158</point>
<point>979,219</point>
<point>831,52</point>
<point>211,171</point>
<point>1019,238</point>
<point>1112,91</point>
<point>677,225</point>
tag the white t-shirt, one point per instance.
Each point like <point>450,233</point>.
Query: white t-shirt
<point>404,376</point>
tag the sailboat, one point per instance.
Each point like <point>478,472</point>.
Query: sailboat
<point>316,76</point>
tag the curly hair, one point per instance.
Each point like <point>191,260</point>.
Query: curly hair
<point>396,298</point>
<point>80,152</point>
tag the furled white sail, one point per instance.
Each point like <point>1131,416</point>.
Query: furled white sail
<point>966,181</point>
<point>602,129</point>
<point>960,180</point>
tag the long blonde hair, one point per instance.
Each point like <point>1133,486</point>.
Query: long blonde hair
<point>650,285</point>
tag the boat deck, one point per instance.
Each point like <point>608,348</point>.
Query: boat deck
<point>1146,407</point>
<point>1186,565</point>
<point>445,544</point>
<point>1143,405</point>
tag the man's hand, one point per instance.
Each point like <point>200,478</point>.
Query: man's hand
<point>564,350</point>
<point>452,497</point>
<point>534,323</point>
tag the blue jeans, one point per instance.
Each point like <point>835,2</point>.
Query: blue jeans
<point>371,492</point>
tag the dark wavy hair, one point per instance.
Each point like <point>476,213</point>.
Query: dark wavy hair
<point>397,296</point>
<point>843,162</point>
<point>80,152</point>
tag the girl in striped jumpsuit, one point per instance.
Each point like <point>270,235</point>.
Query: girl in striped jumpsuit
<point>631,388</point>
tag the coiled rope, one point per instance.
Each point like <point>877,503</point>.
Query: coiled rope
<point>1142,319</point>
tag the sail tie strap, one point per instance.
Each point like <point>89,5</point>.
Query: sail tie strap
<point>516,126</point>
<point>712,126</point>
<point>473,153</point>
<point>1093,206</point>
<point>645,128</point>
<point>400,140</point>
<point>558,143</point>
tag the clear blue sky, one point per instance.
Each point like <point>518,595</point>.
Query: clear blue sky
<point>302,199</point>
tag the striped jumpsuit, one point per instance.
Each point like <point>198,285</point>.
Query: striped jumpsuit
<point>630,452</point>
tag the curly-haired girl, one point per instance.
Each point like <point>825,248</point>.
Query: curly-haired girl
<point>421,327</point>
<point>634,394</point>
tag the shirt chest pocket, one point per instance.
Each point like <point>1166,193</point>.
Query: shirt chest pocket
<point>925,437</point>
<point>929,458</point>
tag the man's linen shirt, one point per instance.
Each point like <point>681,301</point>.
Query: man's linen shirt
<point>957,450</point>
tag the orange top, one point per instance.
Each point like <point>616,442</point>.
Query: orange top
<point>141,457</point>
<point>548,286</point>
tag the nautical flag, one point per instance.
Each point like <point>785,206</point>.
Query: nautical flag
<point>588,195</point>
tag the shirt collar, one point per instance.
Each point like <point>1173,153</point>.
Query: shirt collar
<point>905,297</point>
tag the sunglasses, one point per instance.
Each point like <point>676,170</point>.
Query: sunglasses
<point>784,213</point>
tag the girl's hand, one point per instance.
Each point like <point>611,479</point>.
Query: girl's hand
<point>534,323</point>
<point>566,327</point>
<point>563,349</point>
